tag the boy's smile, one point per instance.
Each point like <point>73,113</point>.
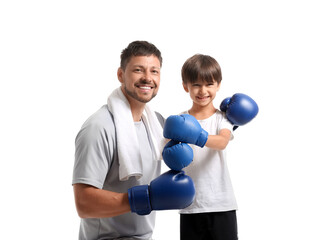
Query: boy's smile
<point>201,92</point>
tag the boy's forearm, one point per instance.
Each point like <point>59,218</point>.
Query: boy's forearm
<point>216,142</point>
<point>92,202</point>
<point>220,141</point>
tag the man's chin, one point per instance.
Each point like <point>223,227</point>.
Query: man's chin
<point>142,99</point>
<point>145,99</point>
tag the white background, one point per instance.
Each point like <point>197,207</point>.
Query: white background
<point>58,63</point>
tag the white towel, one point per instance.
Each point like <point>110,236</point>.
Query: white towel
<point>130,161</point>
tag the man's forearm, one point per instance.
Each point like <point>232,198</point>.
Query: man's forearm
<point>92,202</point>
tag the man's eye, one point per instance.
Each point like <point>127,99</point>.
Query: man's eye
<point>137,70</point>
<point>155,72</point>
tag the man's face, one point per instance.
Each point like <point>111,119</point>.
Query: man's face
<point>140,80</point>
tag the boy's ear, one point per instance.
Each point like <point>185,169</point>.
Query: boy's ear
<point>185,87</point>
<point>219,86</point>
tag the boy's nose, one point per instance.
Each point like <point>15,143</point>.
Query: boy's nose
<point>202,89</point>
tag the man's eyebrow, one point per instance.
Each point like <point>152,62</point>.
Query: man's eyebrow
<point>141,66</point>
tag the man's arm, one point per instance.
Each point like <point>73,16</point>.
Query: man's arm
<point>220,141</point>
<point>93,202</point>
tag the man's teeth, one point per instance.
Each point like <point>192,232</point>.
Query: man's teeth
<point>147,88</point>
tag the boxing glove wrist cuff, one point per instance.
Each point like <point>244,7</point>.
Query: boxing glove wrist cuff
<point>202,139</point>
<point>139,202</point>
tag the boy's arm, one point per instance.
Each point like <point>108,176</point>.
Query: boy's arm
<point>220,141</point>
<point>93,202</point>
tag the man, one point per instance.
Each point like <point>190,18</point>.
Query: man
<point>117,153</point>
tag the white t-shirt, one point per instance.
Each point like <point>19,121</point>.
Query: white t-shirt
<point>214,191</point>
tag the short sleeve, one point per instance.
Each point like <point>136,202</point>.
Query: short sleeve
<point>93,153</point>
<point>226,124</point>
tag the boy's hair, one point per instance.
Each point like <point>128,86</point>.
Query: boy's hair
<point>201,67</point>
<point>139,48</point>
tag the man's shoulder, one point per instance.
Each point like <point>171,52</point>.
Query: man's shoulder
<point>102,119</point>
<point>160,118</point>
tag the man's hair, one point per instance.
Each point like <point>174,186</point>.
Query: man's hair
<point>201,67</point>
<point>139,48</point>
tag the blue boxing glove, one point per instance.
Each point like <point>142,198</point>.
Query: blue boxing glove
<point>171,190</point>
<point>177,155</point>
<point>240,109</point>
<point>224,104</point>
<point>185,128</point>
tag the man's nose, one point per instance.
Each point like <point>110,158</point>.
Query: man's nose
<point>148,76</point>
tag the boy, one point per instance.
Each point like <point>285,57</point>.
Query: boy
<point>213,213</point>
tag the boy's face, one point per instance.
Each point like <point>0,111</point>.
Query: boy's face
<point>140,79</point>
<point>201,92</point>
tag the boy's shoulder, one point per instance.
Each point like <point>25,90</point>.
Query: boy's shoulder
<point>219,115</point>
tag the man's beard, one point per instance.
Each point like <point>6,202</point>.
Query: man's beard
<point>136,97</point>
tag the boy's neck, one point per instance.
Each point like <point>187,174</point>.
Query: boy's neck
<point>202,112</point>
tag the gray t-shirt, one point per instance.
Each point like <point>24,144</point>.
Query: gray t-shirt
<point>96,164</point>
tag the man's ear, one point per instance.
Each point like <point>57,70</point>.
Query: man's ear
<point>120,75</point>
<point>185,87</point>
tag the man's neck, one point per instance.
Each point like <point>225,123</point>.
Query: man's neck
<point>137,112</point>
<point>136,107</point>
